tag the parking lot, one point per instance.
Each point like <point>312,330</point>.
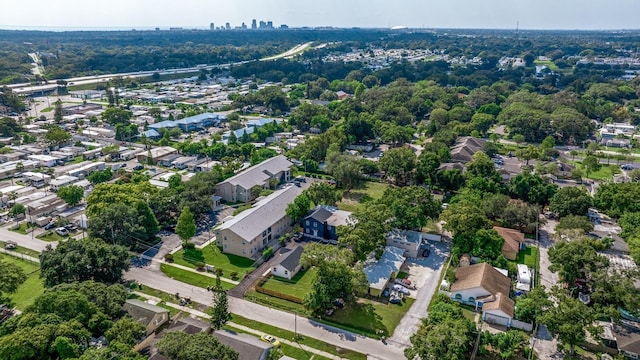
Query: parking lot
<point>424,272</point>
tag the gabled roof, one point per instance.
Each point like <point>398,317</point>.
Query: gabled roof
<point>258,174</point>
<point>627,336</point>
<point>319,214</point>
<point>379,272</point>
<point>141,311</point>
<point>481,275</point>
<point>512,238</point>
<point>465,147</point>
<point>248,347</point>
<point>291,258</point>
<point>266,212</point>
<point>502,303</point>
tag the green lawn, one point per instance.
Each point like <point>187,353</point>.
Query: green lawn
<point>528,256</point>
<point>274,302</point>
<point>369,316</point>
<point>212,255</point>
<point>50,236</point>
<point>357,198</point>
<point>603,173</point>
<point>299,286</point>
<point>192,278</point>
<point>31,288</point>
<point>22,228</point>
<point>289,335</point>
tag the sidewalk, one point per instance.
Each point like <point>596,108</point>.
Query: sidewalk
<point>204,273</point>
<point>254,332</point>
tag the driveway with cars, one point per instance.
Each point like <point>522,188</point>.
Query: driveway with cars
<point>424,273</point>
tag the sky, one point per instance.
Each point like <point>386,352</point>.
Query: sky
<point>501,14</point>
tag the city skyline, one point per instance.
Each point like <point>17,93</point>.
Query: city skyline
<point>545,14</point>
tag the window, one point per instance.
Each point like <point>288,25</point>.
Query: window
<point>458,296</point>
<point>315,224</point>
<point>307,222</point>
<point>225,238</point>
<point>472,299</point>
<point>264,233</point>
<point>286,272</point>
<point>275,269</point>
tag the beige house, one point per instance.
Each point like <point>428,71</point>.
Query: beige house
<point>249,232</point>
<point>513,242</point>
<point>151,316</point>
<point>156,154</point>
<point>238,187</point>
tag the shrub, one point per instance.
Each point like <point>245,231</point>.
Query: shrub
<point>199,265</point>
<point>266,254</point>
<point>234,275</point>
<point>188,246</point>
<point>169,257</point>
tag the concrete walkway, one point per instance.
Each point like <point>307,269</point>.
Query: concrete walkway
<point>200,314</point>
<point>204,273</point>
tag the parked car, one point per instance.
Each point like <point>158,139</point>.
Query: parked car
<point>271,340</point>
<point>626,167</point>
<point>50,225</point>
<point>10,245</point>
<point>138,167</point>
<point>386,293</point>
<point>338,303</point>
<point>62,231</point>
<point>404,285</point>
<point>406,281</point>
<point>401,289</point>
<point>396,297</point>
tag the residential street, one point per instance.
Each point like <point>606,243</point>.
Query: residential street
<point>152,277</point>
<point>544,344</point>
<point>25,240</point>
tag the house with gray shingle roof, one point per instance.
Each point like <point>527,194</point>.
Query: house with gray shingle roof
<point>288,263</point>
<point>151,316</point>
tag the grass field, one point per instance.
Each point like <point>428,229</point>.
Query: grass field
<point>605,172</point>
<point>299,286</point>
<point>31,288</point>
<point>528,256</point>
<point>22,228</point>
<point>212,255</point>
<point>50,236</point>
<point>358,198</point>
<point>192,278</point>
<point>286,334</point>
<point>370,316</point>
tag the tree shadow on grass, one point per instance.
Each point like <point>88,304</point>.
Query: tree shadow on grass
<point>193,255</point>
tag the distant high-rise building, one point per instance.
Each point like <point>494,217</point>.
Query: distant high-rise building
<point>227,26</point>
<point>284,26</point>
<point>243,26</point>
<point>212,26</point>
<point>269,24</point>
<point>253,24</point>
<point>263,24</point>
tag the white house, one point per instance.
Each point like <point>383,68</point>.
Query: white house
<point>288,264</point>
<point>524,278</point>
<point>480,285</point>
<point>408,240</point>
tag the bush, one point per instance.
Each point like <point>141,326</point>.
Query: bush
<point>199,265</point>
<point>169,257</point>
<point>266,254</point>
<point>234,275</point>
<point>188,246</point>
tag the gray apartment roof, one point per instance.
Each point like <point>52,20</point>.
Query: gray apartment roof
<point>339,217</point>
<point>291,258</point>
<point>258,174</point>
<point>266,212</point>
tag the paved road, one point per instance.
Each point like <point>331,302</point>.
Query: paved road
<point>149,276</point>
<point>411,321</point>
<point>545,345</point>
<point>25,240</point>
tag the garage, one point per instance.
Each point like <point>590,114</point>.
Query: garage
<point>498,312</point>
<point>496,319</point>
